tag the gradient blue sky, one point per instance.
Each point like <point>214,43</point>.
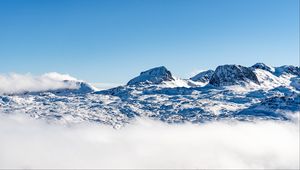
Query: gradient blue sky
<point>114,40</point>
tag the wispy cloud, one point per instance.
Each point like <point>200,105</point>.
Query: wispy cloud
<point>27,143</point>
<point>16,83</point>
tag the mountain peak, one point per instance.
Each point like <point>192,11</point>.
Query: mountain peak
<point>263,67</point>
<point>154,76</point>
<point>203,76</point>
<point>231,75</point>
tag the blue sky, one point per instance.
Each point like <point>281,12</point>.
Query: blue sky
<point>114,40</point>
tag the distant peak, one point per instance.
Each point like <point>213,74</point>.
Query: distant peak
<point>263,67</point>
<point>155,76</point>
<point>156,70</point>
<point>203,76</point>
<point>287,69</point>
<point>232,74</point>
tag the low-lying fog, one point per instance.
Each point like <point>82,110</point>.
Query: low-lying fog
<point>29,143</point>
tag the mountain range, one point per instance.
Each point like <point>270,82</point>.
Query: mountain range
<point>230,92</point>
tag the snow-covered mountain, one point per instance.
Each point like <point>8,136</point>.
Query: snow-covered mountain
<point>231,92</point>
<point>153,76</point>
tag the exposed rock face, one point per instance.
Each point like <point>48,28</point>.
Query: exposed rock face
<point>203,76</point>
<point>153,76</point>
<point>263,67</point>
<point>232,74</point>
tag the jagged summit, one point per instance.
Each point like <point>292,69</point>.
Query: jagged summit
<point>232,74</point>
<point>203,76</point>
<point>153,76</point>
<point>263,67</point>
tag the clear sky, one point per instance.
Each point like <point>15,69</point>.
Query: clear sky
<point>114,40</point>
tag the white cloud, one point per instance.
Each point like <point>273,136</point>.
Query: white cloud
<point>58,77</point>
<point>17,83</point>
<point>27,143</point>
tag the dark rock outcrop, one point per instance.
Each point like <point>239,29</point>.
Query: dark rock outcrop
<point>203,76</point>
<point>232,74</point>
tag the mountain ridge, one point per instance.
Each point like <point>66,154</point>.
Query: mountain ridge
<point>160,96</point>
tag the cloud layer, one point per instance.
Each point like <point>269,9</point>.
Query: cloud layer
<point>18,83</point>
<point>27,143</point>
